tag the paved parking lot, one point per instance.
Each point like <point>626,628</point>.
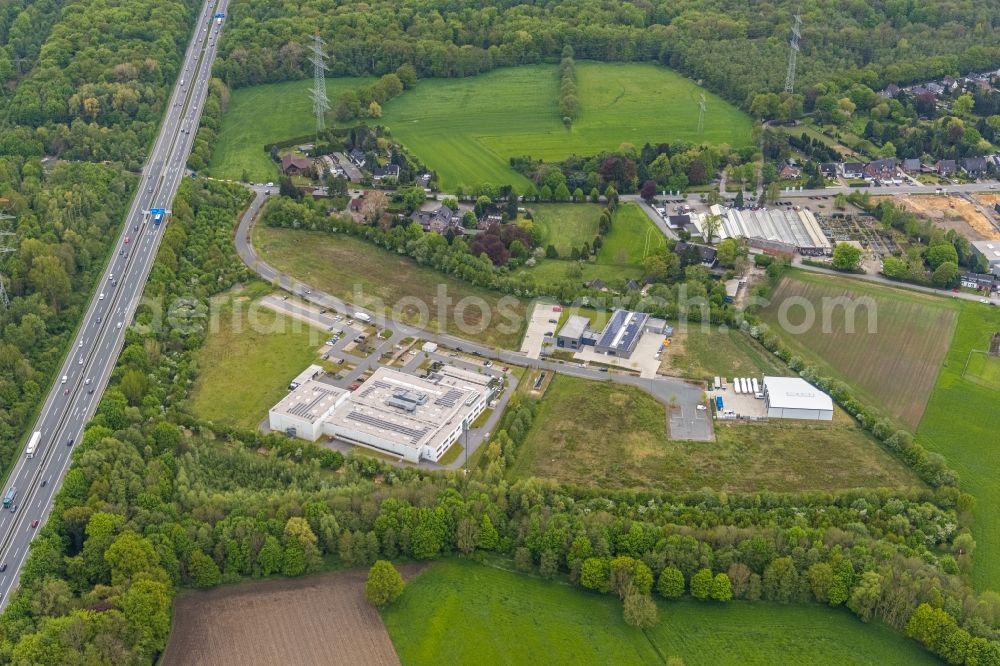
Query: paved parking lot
<point>539,324</point>
<point>643,359</point>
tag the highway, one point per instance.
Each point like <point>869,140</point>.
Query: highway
<point>88,364</point>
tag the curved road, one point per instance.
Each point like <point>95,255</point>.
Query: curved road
<point>81,381</point>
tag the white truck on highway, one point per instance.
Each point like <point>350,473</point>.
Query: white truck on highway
<point>32,446</point>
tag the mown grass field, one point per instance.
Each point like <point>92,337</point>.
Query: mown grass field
<point>458,612</point>
<point>898,342</point>
<point>467,129</point>
<point>358,272</point>
<point>615,436</point>
<point>566,226</point>
<point>706,352</point>
<point>263,114</point>
<point>983,369</point>
<point>961,423</point>
<point>632,237</point>
<point>247,361</point>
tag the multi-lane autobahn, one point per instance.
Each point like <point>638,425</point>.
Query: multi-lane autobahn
<point>88,364</point>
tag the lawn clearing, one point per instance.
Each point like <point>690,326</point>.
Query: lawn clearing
<point>702,353</point>
<point>466,129</point>
<point>632,238</point>
<point>459,612</point>
<point>893,363</point>
<point>264,114</point>
<point>247,361</point>
<point>359,272</point>
<point>553,271</point>
<point>286,621</point>
<point>983,369</point>
<point>961,423</point>
<point>566,226</point>
<point>615,436</point>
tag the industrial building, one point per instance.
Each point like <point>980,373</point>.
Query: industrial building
<point>415,418</point>
<point>618,338</point>
<point>795,228</point>
<point>795,398</point>
<point>571,335</point>
<point>990,251</point>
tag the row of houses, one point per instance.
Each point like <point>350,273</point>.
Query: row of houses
<point>891,168</point>
<point>297,165</point>
<point>945,85</point>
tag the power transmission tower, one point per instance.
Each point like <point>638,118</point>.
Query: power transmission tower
<point>794,51</point>
<point>6,247</point>
<point>701,114</point>
<point>321,104</point>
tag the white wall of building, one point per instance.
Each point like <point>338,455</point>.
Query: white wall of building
<point>807,414</point>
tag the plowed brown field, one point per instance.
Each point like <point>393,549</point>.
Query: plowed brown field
<point>317,620</point>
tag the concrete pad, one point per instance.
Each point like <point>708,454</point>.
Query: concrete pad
<point>643,359</point>
<point>538,326</point>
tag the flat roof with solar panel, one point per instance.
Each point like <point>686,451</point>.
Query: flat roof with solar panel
<point>310,401</point>
<point>622,333</point>
<point>398,411</point>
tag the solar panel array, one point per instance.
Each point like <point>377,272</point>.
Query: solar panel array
<point>305,407</point>
<point>371,385</point>
<point>413,433</point>
<point>449,399</point>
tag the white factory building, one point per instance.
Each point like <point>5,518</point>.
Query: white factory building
<point>411,417</point>
<point>795,398</point>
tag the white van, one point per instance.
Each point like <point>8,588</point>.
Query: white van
<point>362,316</point>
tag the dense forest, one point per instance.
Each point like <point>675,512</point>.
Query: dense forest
<point>736,48</point>
<point>84,98</point>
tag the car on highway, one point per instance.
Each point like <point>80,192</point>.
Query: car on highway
<point>101,297</point>
<point>70,442</point>
<point>118,325</point>
<point>3,567</point>
<point>64,379</point>
<point>81,344</point>
<point>126,240</point>
<point>87,383</point>
<point>34,523</point>
<point>13,508</point>
<point>79,361</point>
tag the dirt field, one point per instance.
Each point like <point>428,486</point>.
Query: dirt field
<point>321,619</point>
<point>895,350</point>
<point>954,213</point>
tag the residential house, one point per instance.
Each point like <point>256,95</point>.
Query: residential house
<point>884,169</point>
<point>706,254</point>
<point>487,220</point>
<point>357,204</point>
<point>294,165</point>
<point>787,172</point>
<point>949,83</point>
<point>829,169</point>
<point>890,90</point>
<point>911,165</point>
<point>388,171</point>
<point>357,157</point>
<point>596,283</point>
<point>977,281</point>
<point>852,169</point>
<point>935,89</point>
<point>945,167</point>
<point>423,180</point>
<point>632,285</point>
<point>439,219</point>
<point>974,166</point>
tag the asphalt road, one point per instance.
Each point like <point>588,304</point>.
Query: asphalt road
<point>81,381</point>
